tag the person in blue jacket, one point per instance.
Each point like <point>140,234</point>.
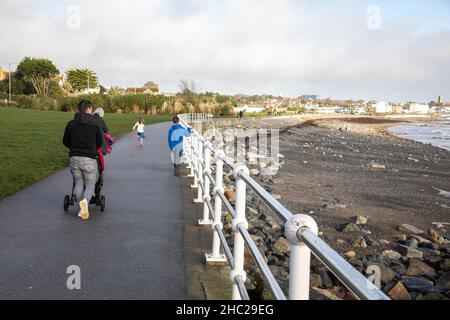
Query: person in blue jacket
<point>175,138</point>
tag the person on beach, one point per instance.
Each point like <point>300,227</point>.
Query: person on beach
<point>83,137</point>
<point>175,138</point>
<point>140,126</point>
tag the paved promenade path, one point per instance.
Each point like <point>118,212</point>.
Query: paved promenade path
<point>134,250</point>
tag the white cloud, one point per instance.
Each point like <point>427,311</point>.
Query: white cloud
<point>285,46</point>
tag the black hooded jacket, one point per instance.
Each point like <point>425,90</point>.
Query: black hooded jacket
<point>104,129</point>
<point>83,136</point>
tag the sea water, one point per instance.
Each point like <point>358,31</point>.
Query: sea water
<point>434,133</point>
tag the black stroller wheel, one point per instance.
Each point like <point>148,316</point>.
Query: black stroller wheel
<point>103,203</point>
<point>66,202</point>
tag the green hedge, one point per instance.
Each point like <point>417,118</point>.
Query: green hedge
<point>111,104</point>
<point>37,103</point>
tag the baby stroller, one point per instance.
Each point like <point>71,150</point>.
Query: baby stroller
<point>109,142</point>
<point>98,199</point>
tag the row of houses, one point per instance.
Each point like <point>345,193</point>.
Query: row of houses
<point>411,107</point>
<point>372,107</point>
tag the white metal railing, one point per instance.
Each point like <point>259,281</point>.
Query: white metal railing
<point>196,117</point>
<point>300,230</point>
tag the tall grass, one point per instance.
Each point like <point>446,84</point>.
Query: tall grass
<point>135,104</point>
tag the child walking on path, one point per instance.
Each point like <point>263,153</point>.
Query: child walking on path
<point>175,139</point>
<point>140,125</point>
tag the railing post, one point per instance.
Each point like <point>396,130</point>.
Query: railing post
<point>300,256</point>
<point>239,220</point>
<point>215,256</point>
<point>207,183</point>
<point>191,154</point>
<point>187,152</point>
<point>199,170</point>
<point>194,160</point>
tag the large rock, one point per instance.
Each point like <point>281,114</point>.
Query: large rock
<point>350,254</point>
<point>391,254</point>
<point>282,245</point>
<point>444,282</point>
<point>409,229</point>
<point>252,211</point>
<point>420,285</point>
<point>279,272</point>
<point>360,220</point>
<point>399,292</point>
<point>417,268</point>
<point>274,226</point>
<point>315,281</point>
<point>412,243</point>
<point>350,227</point>
<point>359,243</point>
<point>444,264</point>
<point>436,237</point>
<point>327,282</point>
<point>257,239</point>
<point>432,296</point>
<point>400,237</point>
<point>420,239</point>
<point>410,252</point>
<point>230,195</point>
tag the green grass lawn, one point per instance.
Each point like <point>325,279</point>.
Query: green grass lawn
<point>31,143</point>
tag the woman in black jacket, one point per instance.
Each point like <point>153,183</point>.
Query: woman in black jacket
<point>98,118</point>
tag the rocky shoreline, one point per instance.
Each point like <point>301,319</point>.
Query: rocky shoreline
<point>375,197</point>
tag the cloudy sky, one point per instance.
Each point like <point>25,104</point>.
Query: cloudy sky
<point>386,50</point>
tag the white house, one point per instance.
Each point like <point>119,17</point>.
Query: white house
<point>95,90</point>
<point>327,110</point>
<point>250,108</point>
<point>359,110</point>
<point>418,107</point>
<point>382,107</point>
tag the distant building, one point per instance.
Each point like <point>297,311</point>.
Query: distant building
<point>148,88</point>
<point>95,90</point>
<point>440,100</point>
<point>414,107</point>
<point>327,110</point>
<point>381,107</point>
<point>359,110</point>
<point>3,74</point>
<point>61,80</point>
<point>397,108</point>
<point>310,97</point>
<point>250,108</point>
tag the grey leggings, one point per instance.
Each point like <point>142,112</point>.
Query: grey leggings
<point>85,175</point>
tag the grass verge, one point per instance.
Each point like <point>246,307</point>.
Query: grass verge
<point>31,143</point>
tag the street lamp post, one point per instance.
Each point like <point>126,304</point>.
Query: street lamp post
<point>9,76</point>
